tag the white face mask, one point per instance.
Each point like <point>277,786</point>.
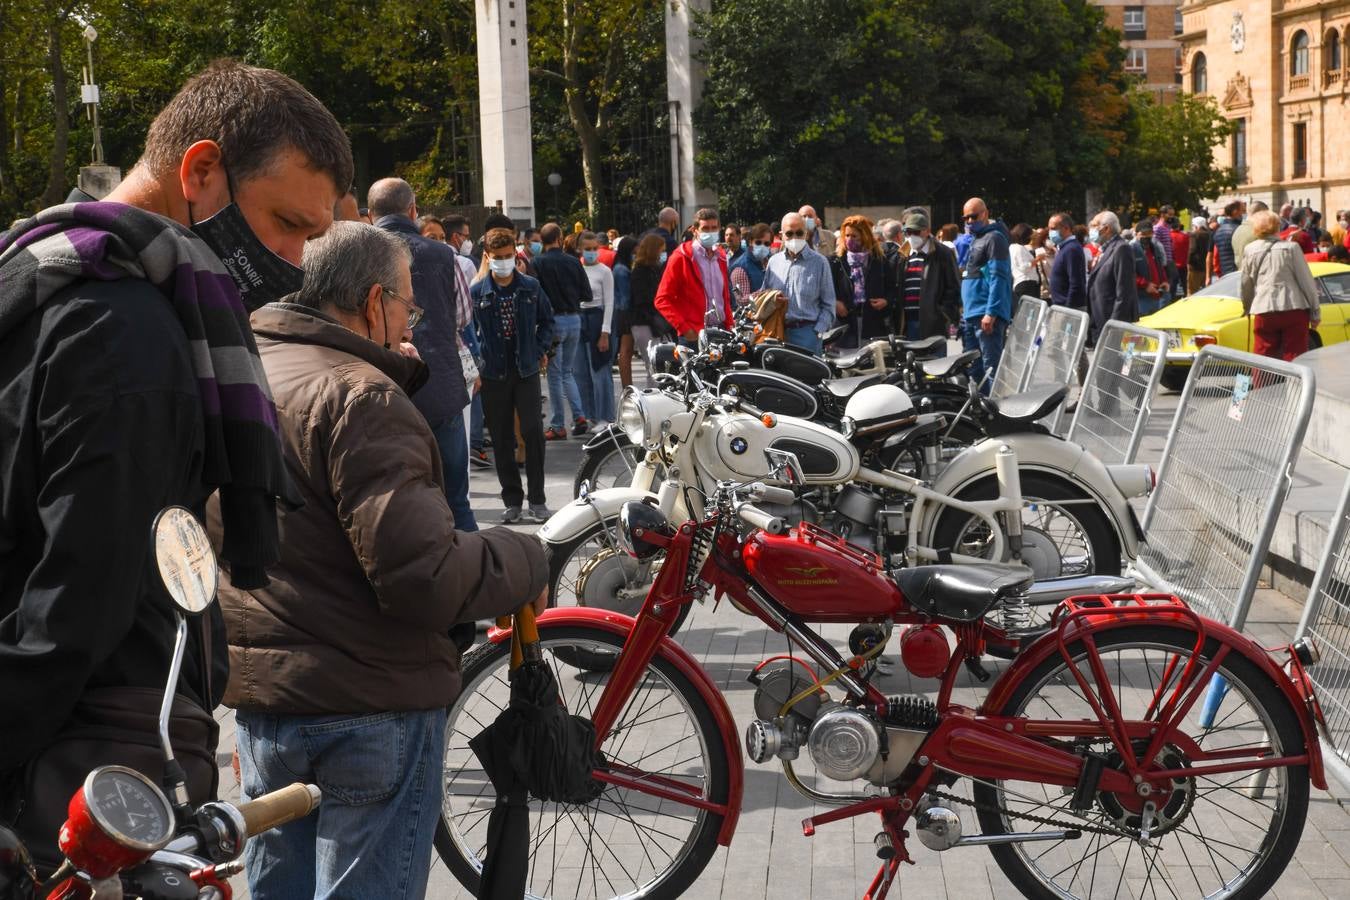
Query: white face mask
<point>915,240</point>
<point>465,247</point>
<point>795,245</point>
<point>810,223</point>
<point>502,267</point>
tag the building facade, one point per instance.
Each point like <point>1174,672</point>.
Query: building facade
<point>1278,70</point>
<point>1149,29</point>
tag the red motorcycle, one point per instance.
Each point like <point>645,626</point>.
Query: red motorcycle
<point>1086,767</point>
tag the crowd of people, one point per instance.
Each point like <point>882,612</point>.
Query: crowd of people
<point>316,378</point>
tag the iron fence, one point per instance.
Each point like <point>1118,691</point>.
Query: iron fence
<point>1224,475</point>
<point>1122,378</point>
<point>1059,347</point>
<point>1018,347</point>
<point>1326,619</point>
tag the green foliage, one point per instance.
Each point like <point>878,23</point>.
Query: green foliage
<point>902,101</point>
<point>1170,157</point>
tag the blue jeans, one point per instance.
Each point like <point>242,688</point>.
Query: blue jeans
<point>561,376</point>
<point>990,346</point>
<point>804,336</point>
<point>455,465</point>
<point>381,780</point>
<point>600,401</point>
<point>476,423</point>
<point>581,365</point>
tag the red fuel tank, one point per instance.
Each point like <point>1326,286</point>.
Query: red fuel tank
<point>821,577</point>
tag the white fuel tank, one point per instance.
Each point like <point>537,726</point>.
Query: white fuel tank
<point>731,447</point>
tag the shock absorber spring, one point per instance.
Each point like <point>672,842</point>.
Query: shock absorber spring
<point>1015,615</point>
<point>699,548</point>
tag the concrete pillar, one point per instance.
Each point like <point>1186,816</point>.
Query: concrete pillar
<point>684,80</point>
<point>504,108</point>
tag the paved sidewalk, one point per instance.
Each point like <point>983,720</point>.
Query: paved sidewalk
<point>771,858</point>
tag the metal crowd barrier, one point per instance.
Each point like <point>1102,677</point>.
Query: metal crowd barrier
<point>1057,351</point>
<point>1326,619</point>
<point>1224,475</point>
<point>1018,346</point>
<point>1114,405</point>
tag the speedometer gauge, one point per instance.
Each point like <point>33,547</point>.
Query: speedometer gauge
<point>116,820</point>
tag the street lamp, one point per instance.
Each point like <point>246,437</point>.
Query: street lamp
<point>554,179</point>
<point>89,92</point>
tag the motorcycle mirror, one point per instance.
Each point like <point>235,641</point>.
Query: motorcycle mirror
<point>785,466</point>
<point>186,562</point>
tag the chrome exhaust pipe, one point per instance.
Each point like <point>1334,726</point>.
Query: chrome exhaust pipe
<point>1053,590</point>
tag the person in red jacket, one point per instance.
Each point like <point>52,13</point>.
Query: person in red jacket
<point>695,290</point>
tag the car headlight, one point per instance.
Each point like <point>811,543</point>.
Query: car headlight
<point>632,421</point>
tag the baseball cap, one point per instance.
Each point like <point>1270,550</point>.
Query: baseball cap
<point>915,220</point>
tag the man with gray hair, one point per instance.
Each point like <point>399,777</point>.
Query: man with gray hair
<point>442,289</point>
<point>1111,286</point>
<point>342,667</point>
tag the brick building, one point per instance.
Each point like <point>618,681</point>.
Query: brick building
<point>1278,70</point>
<point>1150,29</point>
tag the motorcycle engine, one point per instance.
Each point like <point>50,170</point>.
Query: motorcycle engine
<point>856,510</point>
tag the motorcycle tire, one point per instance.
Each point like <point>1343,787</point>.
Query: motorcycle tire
<point>594,462</point>
<point>1019,861</point>
<point>559,556</point>
<point>484,676</point>
<point>1094,523</point>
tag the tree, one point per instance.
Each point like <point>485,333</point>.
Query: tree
<point>596,53</point>
<point>1170,157</point>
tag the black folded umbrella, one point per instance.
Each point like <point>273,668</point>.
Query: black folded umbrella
<point>534,746</point>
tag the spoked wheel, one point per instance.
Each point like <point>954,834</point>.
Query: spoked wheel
<point>610,465</point>
<point>626,843</point>
<point>1226,836</point>
<point>592,570</point>
<point>1062,536</point>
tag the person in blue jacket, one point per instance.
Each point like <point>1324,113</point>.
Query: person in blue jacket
<point>986,289</point>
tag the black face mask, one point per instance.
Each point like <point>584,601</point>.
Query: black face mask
<point>261,275</point>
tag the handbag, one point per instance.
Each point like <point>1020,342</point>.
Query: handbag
<point>470,367</point>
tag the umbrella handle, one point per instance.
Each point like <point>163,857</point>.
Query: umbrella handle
<point>525,637</point>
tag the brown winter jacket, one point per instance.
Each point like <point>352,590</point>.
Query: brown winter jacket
<point>372,572</point>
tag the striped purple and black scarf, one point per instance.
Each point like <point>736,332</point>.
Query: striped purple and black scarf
<point>111,241</point>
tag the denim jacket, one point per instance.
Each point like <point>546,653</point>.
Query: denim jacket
<point>534,326</point>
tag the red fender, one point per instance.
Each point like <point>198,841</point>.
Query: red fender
<point>620,625</point>
<point>1046,646</point>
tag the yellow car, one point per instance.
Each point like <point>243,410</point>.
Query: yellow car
<point>1213,315</point>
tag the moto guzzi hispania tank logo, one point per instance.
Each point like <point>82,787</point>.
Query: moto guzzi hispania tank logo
<point>807,576</point>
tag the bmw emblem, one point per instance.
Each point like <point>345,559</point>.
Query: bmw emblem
<point>739,445</point>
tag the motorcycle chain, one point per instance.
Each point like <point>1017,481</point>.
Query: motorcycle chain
<point>1040,820</point>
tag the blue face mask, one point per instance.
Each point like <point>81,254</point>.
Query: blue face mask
<point>708,239</point>
<point>1094,235</point>
<point>1056,238</point>
<point>590,257</point>
<point>536,248</point>
<point>762,251</point>
<point>663,257</point>
<point>810,223</point>
<point>744,244</point>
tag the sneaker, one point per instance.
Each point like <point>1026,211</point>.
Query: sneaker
<point>538,513</point>
<point>555,434</point>
<point>580,427</point>
<point>480,459</point>
<point>511,516</point>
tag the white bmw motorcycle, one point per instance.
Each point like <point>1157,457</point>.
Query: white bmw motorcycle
<point>1030,498</point>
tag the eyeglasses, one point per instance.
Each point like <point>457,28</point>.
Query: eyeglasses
<point>913,231</point>
<point>762,243</point>
<point>970,218</point>
<point>801,232</point>
<point>415,312</point>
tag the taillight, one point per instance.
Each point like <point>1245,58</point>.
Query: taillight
<point>1204,340</point>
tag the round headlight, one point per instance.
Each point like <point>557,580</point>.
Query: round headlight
<point>631,420</point>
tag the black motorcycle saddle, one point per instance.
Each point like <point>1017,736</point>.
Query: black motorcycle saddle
<point>946,366</point>
<point>922,346</point>
<point>1032,404</point>
<point>844,388</point>
<point>961,593</point>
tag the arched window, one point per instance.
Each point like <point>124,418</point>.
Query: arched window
<point>1331,50</point>
<point>1199,75</point>
<point>1298,54</point>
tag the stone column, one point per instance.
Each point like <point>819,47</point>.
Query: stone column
<point>504,108</point>
<point>684,87</point>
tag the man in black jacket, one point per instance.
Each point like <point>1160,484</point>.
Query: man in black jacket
<point>1111,287</point>
<point>927,281</point>
<point>103,422</point>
